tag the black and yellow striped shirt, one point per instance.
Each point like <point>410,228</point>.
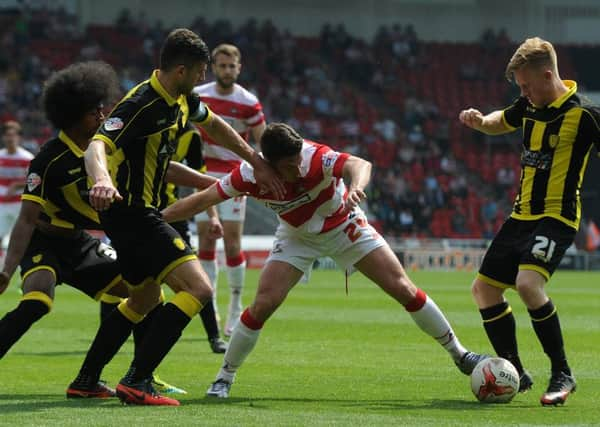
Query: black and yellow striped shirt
<point>189,151</point>
<point>141,135</point>
<point>58,182</point>
<point>557,140</point>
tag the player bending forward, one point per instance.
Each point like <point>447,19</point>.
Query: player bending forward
<point>318,217</point>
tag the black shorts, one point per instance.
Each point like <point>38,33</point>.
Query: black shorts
<point>147,247</point>
<point>82,262</point>
<point>537,245</point>
<point>182,228</point>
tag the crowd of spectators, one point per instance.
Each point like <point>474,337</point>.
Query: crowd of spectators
<point>393,100</point>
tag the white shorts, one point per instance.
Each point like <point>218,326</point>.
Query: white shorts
<point>346,245</point>
<point>229,210</point>
<point>8,216</point>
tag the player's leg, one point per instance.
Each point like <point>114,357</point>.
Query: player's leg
<point>545,248</point>
<point>192,290</point>
<point>114,330</point>
<point>382,267</point>
<point>207,254</point>
<point>497,273</point>
<point>38,295</point>
<point>276,280</point>
<point>236,268</point>
<point>207,314</point>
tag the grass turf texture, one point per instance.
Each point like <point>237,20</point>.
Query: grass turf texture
<point>323,359</point>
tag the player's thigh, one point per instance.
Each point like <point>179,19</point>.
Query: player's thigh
<point>383,268</point>
<point>144,297</point>
<point>42,280</point>
<point>487,294</point>
<point>191,278</point>
<point>544,248</point>
<point>276,280</point>
<point>500,263</point>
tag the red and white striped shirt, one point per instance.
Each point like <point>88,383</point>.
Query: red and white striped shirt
<point>13,172</point>
<point>241,109</point>
<point>313,204</point>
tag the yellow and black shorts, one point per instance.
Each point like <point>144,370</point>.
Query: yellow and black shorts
<point>148,248</point>
<point>537,245</point>
<point>82,262</point>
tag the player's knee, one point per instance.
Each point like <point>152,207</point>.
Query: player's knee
<point>142,301</point>
<point>529,290</point>
<point>203,292</point>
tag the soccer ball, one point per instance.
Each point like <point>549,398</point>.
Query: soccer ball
<point>494,380</point>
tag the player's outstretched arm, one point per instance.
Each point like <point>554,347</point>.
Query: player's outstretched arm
<point>491,124</point>
<point>189,206</point>
<point>182,175</point>
<point>357,173</point>
<point>225,135</point>
<point>19,240</point>
<point>103,192</point>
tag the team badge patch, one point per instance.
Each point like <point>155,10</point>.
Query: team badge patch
<point>33,180</point>
<point>37,258</point>
<point>113,123</point>
<point>179,243</point>
<point>329,159</point>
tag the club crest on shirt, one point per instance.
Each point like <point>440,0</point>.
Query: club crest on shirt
<point>179,244</point>
<point>33,180</point>
<point>37,258</point>
<point>113,123</point>
<point>553,141</point>
<point>329,159</point>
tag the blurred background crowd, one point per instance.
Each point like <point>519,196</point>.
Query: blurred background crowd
<point>393,99</point>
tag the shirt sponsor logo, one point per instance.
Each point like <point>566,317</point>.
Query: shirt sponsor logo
<point>33,180</point>
<point>113,123</point>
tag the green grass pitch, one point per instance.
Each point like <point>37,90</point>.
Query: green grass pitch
<point>323,359</point>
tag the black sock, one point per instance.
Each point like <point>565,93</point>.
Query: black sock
<point>162,336</point>
<point>209,320</point>
<point>500,327</point>
<point>141,329</point>
<point>547,328</point>
<point>106,308</point>
<point>15,323</point>
<point>113,332</point>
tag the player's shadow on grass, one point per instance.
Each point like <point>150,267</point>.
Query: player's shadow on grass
<point>18,403</point>
<point>51,353</point>
<point>365,404</point>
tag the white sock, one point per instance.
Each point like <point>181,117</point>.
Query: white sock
<point>236,277</point>
<point>242,341</point>
<point>432,321</point>
<point>212,270</point>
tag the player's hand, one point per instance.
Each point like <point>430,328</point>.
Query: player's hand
<point>267,179</point>
<point>215,229</point>
<point>4,281</point>
<point>102,194</point>
<point>355,196</point>
<point>471,117</point>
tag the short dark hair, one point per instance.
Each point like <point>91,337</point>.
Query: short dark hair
<point>11,125</point>
<point>279,141</point>
<point>183,47</point>
<point>76,90</point>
